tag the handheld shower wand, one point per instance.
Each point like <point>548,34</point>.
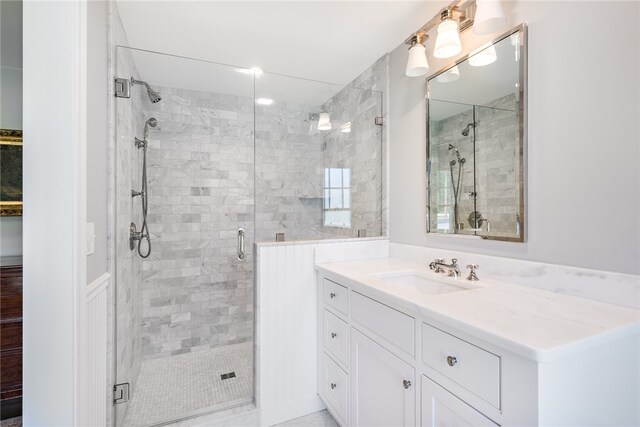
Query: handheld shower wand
<point>143,234</point>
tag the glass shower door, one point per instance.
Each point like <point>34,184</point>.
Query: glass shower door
<point>184,315</point>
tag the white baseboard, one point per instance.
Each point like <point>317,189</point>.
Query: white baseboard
<point>296,409</point>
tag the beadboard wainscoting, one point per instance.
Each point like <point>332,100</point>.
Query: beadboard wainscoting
<point>93,353</point>
<point>286,300</point>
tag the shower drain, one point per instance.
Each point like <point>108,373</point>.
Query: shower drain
<point>227,376</point>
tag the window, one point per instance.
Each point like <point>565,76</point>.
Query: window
<point>337,197</point>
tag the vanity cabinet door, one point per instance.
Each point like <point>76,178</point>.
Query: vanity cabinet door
<point>442,409</point>
<point>383,391</point>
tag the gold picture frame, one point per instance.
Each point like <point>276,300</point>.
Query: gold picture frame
<point>10,172</point>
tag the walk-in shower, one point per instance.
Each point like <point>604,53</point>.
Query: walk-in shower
<point>216,170</point>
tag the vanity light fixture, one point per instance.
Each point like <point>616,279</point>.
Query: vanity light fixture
<point>486,16</point>
<point>345,127</point>
<point>483,56</point>
<point>324,122</point>
<point>264,101</point>
<point>489,17</point>
<point>448,42</point>
<point>451,75</point>
<point>417,64</point>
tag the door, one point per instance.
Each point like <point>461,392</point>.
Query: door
<point>382,387</point>
<point>442,409</point>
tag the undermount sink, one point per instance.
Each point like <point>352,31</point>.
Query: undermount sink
<point>418,281</point>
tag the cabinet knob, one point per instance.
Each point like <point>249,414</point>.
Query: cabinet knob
<point>333,335</point>
<point>406,384</point>
<point>332,295</point>
<point>333,385</point>
<point>451,360</point>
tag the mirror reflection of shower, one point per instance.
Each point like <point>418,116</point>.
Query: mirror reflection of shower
<point>465,131</point>
<point>455,184</point>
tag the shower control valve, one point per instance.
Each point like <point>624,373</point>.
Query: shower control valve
<point>135,193</point>
<point>141,143</point>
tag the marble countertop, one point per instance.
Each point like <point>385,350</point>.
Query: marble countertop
<point>533,323</point>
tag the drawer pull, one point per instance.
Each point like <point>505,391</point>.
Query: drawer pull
<point>451,360</point>
<point>406,384</point>
<point>333,385</point>
<point>332,295</point>
<point>333,335</point>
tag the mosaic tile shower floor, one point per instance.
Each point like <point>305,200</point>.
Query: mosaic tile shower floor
<point>188,384</point>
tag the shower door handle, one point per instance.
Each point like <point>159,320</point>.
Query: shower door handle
<point>241,244</point>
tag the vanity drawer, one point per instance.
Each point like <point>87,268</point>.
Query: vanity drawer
<point>473,368</point>
<point>335,387</point>
<point>390,324</point>
<point>336,336</point>
<point>336,296</point>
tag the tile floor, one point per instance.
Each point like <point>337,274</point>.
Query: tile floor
<point>187,384</point>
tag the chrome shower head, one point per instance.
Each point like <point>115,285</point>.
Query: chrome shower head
<point>465,131</point>
<point>154,96</point>
<point>153,122</point>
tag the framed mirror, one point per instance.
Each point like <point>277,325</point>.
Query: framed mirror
<point>476,131</point>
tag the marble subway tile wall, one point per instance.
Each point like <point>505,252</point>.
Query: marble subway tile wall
<point>360,150</point>
<point>289,172</point>
<point>496,166</point>
<point>196,293</point>
<point>129,124</point>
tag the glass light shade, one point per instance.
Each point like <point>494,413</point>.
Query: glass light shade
<point>483,57</point>
<point>417,64</point>
<point>489,17</point>
<point>448,41</point>
<point>451,75</point>
<point>324,121</point>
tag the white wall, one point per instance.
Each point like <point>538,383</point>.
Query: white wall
<point>11,104</point>
<point>98,91</point>
<point>54,214</point>
<point>583,177</point>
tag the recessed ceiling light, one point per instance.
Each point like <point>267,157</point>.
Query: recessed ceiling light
<point>264,101</point>
<point>255,71</point>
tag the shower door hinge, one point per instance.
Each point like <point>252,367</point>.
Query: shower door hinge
<point>122,87</point>
<point>121,393</point>
<point>379,121</point>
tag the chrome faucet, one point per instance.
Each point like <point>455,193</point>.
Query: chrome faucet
<point>439,266</point>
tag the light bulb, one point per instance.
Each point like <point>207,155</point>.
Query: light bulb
<point>451,75</point>
<point>417,64</point>
<point>489,17</point>
<point>448,41</point>
<point>483,57</point>
<point>324,122</point>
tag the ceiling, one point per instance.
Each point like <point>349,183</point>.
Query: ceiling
<point>328,41</point>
